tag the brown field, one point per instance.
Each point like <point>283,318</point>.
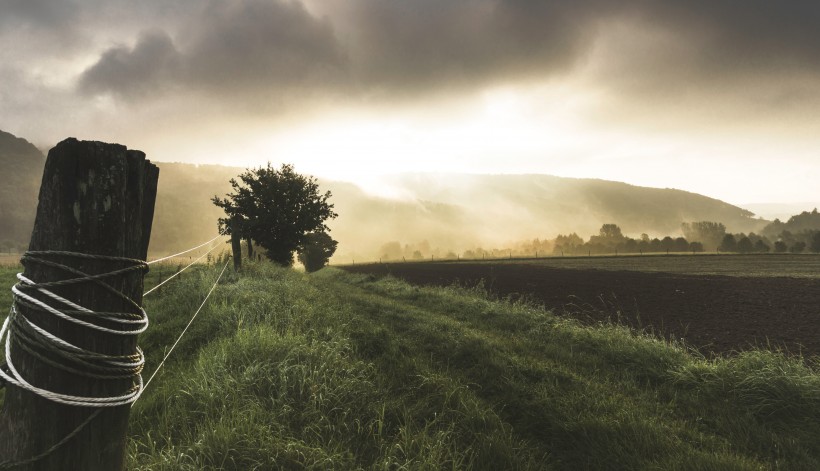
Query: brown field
<point>9,260</point>
<point>715,313</point>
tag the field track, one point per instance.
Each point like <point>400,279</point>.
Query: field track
<point>716,313</point>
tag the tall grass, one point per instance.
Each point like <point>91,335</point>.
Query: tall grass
<point>339,371</point>
<point>284,370</point>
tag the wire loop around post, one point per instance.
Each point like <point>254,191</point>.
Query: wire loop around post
<point>19,331</point>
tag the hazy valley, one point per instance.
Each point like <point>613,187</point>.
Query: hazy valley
<point>436,214</point>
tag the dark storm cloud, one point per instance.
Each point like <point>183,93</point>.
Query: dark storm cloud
<point>424,46</point>
<point>134,72</point>
<point>230,47</point>
<point>428,43</point>
<point>417,46</point>
<point>261,43</point>
<point>744,33</point>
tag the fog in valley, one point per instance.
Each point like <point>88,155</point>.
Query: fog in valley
<point>413,216</point>
<point>441,128</point>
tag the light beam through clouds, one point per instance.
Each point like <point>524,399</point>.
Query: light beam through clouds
<point>718,98</point>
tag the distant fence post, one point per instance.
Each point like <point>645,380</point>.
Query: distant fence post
<point>236,244</point>
<point>95,199</point>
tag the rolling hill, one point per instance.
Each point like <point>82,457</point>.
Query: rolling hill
<point>22,165</point>
<point>442,212</point>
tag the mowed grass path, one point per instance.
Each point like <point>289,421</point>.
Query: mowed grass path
<point>284,370</point>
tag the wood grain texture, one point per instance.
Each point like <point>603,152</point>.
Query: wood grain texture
<point>95,198</point>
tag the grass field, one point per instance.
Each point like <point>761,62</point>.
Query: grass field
<point>768,265</point>
<point>342,371</point>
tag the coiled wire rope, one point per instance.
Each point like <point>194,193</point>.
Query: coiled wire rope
<point>40,343</point>
<point>19,331</point>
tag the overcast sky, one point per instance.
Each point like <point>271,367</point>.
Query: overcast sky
<point>716,97</point>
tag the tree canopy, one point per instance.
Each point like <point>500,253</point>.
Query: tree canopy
<point>277,208</point>
<point>316,250</point>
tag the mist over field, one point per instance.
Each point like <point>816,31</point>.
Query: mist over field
<point>436,215</point>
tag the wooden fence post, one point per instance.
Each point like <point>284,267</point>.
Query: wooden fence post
<point>95,198</point>
<point>236,244</point>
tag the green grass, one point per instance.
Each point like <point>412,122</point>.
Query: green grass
<point>8,277</point>
<point>340,371</point>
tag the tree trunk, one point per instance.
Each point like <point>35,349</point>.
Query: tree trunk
<point>95,198</point>
<point>236,245</point>
<point>249,243</point>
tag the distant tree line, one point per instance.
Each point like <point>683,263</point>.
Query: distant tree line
<point>800,233</point>
<point>699,236</point>
<point>610,239</point>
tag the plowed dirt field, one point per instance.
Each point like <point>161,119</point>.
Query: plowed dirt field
<point>715,313</point>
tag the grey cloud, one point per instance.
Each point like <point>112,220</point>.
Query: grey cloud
<point>232,47</point>
<point>738,63</point>
<point>261,44</point>
<point>137,71</point>
<point>253,47</point>
<point>746,33</point>
<point>429,43</point>
<point>38,13</point>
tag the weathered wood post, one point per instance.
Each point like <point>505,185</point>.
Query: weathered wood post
<point>236,244</point>
<point>98,199</point>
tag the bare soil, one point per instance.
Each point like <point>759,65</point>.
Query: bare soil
<point>717,314</point>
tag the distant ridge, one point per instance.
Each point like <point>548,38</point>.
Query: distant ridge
<point>449,212</point>
<point>22,167</point>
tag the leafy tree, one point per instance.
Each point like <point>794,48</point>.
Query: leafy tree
<point>780,247</point>
<point>728,244</point>
<point>316,250</point>
<point>611,232</point>
<point>815,242</point>
<point>805,221</point>
<point>744,245</point>
<point>761,246</point>
<point>277,208</point>
<point>709,233</point>
<point>568,243</point>
<point>681,245</point>
<point>798,247</point>
<point>695,247</point>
